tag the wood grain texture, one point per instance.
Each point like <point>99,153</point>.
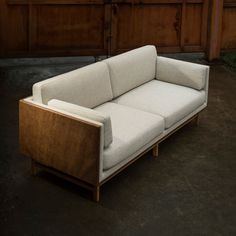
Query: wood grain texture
<point>65,30</point>
<point>103,27</point>
<point>173,26</point>
<point>215,29</point>
<point>138,25</point>
<point>55,140</point>
<point>46,137</point>
<point>53,28</point>
<point>229,26</point>
<point>155,151</point>
<point>193,18</point>
<point>13,29</point>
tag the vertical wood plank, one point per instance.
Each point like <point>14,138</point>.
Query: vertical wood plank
<point>3,16</point>
<point>30,26</point>
<point>215,29</point>
<point>205,17</point>
<point>114,25</point>
<point>183,19</point>
<point>229,25</point>
<point>107,27</point>
<point>25,33</point>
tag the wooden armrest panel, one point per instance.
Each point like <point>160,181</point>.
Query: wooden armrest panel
<point>59,141</point>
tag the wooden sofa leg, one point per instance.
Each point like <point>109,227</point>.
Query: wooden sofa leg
<point>195,121</point>
<point>96,193</point>
<point>155,151</point>
<point>34,168</point>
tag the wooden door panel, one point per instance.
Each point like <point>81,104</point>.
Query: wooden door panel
<point>14,32</point>
<point>171,25</point>
<point>146,24</point>
<point>68,27</point>
<point>229,25</point>
<point>99,27</point>
<point>193,24</point>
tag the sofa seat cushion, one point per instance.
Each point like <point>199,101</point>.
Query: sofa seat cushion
<point>172,102</point>
<point>131,129</point>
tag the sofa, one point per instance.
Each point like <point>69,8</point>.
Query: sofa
<point>89,124</point>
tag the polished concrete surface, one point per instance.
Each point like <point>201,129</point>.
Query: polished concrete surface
<point>190,189</point>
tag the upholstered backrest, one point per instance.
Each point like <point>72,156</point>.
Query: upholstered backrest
<point>131,69</point>
<point>182,73</point>
<point>88,86</point>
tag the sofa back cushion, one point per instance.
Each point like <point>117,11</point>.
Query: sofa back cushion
<point>131,69</point>
<point>182,73</point>
<point>86,113</point>
<point>88,86</point>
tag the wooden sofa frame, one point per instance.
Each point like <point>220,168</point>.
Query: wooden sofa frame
<point>49,138</point>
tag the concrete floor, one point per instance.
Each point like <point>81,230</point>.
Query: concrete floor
<point>189,190</point>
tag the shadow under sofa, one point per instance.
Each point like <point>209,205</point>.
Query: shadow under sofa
<point>91,123</point>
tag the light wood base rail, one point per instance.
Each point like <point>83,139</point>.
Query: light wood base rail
<point>37,167</point>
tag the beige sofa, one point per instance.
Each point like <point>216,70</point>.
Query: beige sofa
<point>89,124</point>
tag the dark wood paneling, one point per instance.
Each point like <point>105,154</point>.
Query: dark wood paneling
<point>13,28</point>
<point>100,27</point>
<point>54,27</point>
<point>145,24</point>
<point>193,28</point>
<point>229,25</point>
<point>173,26</point>
<point>215,29</point>
<point>67,27</point>
<point>17,22</point>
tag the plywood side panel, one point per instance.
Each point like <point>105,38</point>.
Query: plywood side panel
<point>56,140</point>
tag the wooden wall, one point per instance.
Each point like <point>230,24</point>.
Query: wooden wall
<point>229,25</point>
<point>53,27</point>
<point>100,27</point>
<point>174,26</point>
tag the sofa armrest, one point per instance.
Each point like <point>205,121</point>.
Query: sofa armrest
<point>182,73</point>
<point>86,113</point>
<point>61,141</point>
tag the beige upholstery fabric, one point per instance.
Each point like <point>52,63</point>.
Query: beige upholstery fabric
<point>131,129</point>
<point>109,172</point>
<point>86,113</point>
<point>131,69</point>
<point>88,86</point>
<point>180,72</point>
<point>173,102</point>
